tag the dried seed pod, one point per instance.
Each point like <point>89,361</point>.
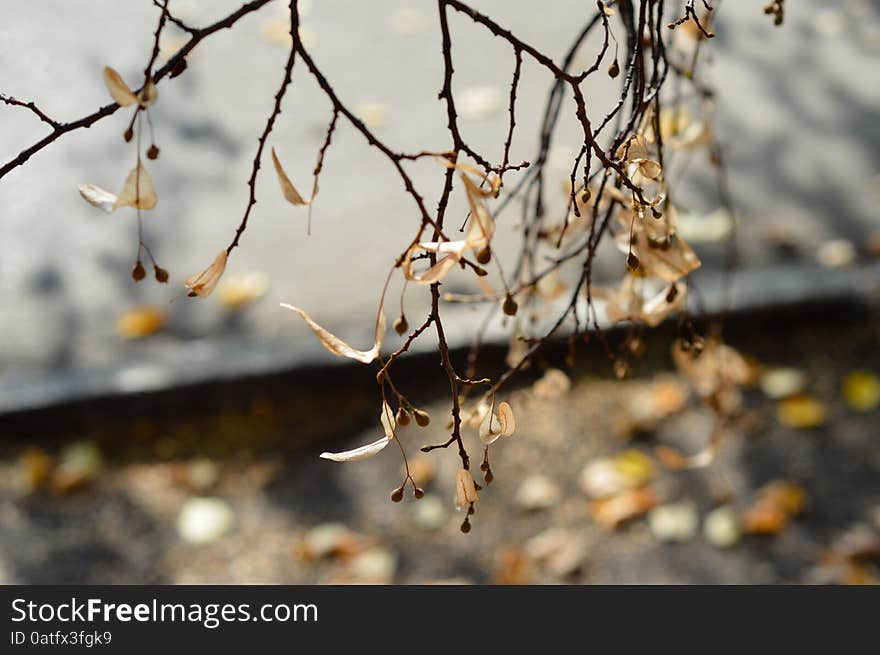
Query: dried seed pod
<point>160,273</point>
<point>422,417</point>
<point>178,68</point>
<point>632,262</point>
<point>466,526</point>
<point>402,417</point>
<point>400,325</point>
<point>418,492</point>
<point>397,495</point>
<point>484,255</point>
<point>614,69</point>
<point>585,196</point>
<point>153,151</point>
<point>138,273</point>
<point>509,305</point>
<point>128,135</point>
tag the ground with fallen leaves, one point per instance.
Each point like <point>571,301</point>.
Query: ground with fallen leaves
<point>579,494</point>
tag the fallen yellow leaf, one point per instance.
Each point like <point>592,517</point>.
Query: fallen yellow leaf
<point>801,412</point>
<point>861,390</point>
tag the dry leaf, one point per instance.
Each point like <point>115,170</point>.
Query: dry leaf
<point>611,512</point>
<point>123,95</point>
<point>386,418</point>
<point>505,418</point>
<point>481,225</point>
<point>777,502</point>
<point>465,489</point>
<point>98,197</point>
<point>437,272</point>
<point>801,412</point>
<point>481,229</point>
<point>140,322</point>
<point>640,299</point>
<point>716,367</point>
<point>493,180</point>
<point>645,409</point>
<point>290,193</point>
<point>497,424</point>
<point>358,453</point>
<point>137,191</point>
<point>336,345</point>
<point>203,283</point>
<point>636,152</point>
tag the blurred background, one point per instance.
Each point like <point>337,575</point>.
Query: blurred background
<point>144,440</point>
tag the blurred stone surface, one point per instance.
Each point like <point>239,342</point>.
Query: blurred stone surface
<point>797,113</point>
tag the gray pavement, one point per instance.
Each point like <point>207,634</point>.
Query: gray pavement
<point>798,112</point>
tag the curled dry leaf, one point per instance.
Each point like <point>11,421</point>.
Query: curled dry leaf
<point>123,95</point>
<point>493,181</point>
<point>668,258</point>
<point>357,453</point>
<point>98,197</point>
<point>465,489</point>
<point>339,347</point>
<point>202,284</point>
<point>481,229</point>
<point>137,191</point>
<point>386,418</point>
<point>434,274</point>
<point>636,152</point>
<point>497,424</point>
<point>646,300</point>
<point>290,193</point>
